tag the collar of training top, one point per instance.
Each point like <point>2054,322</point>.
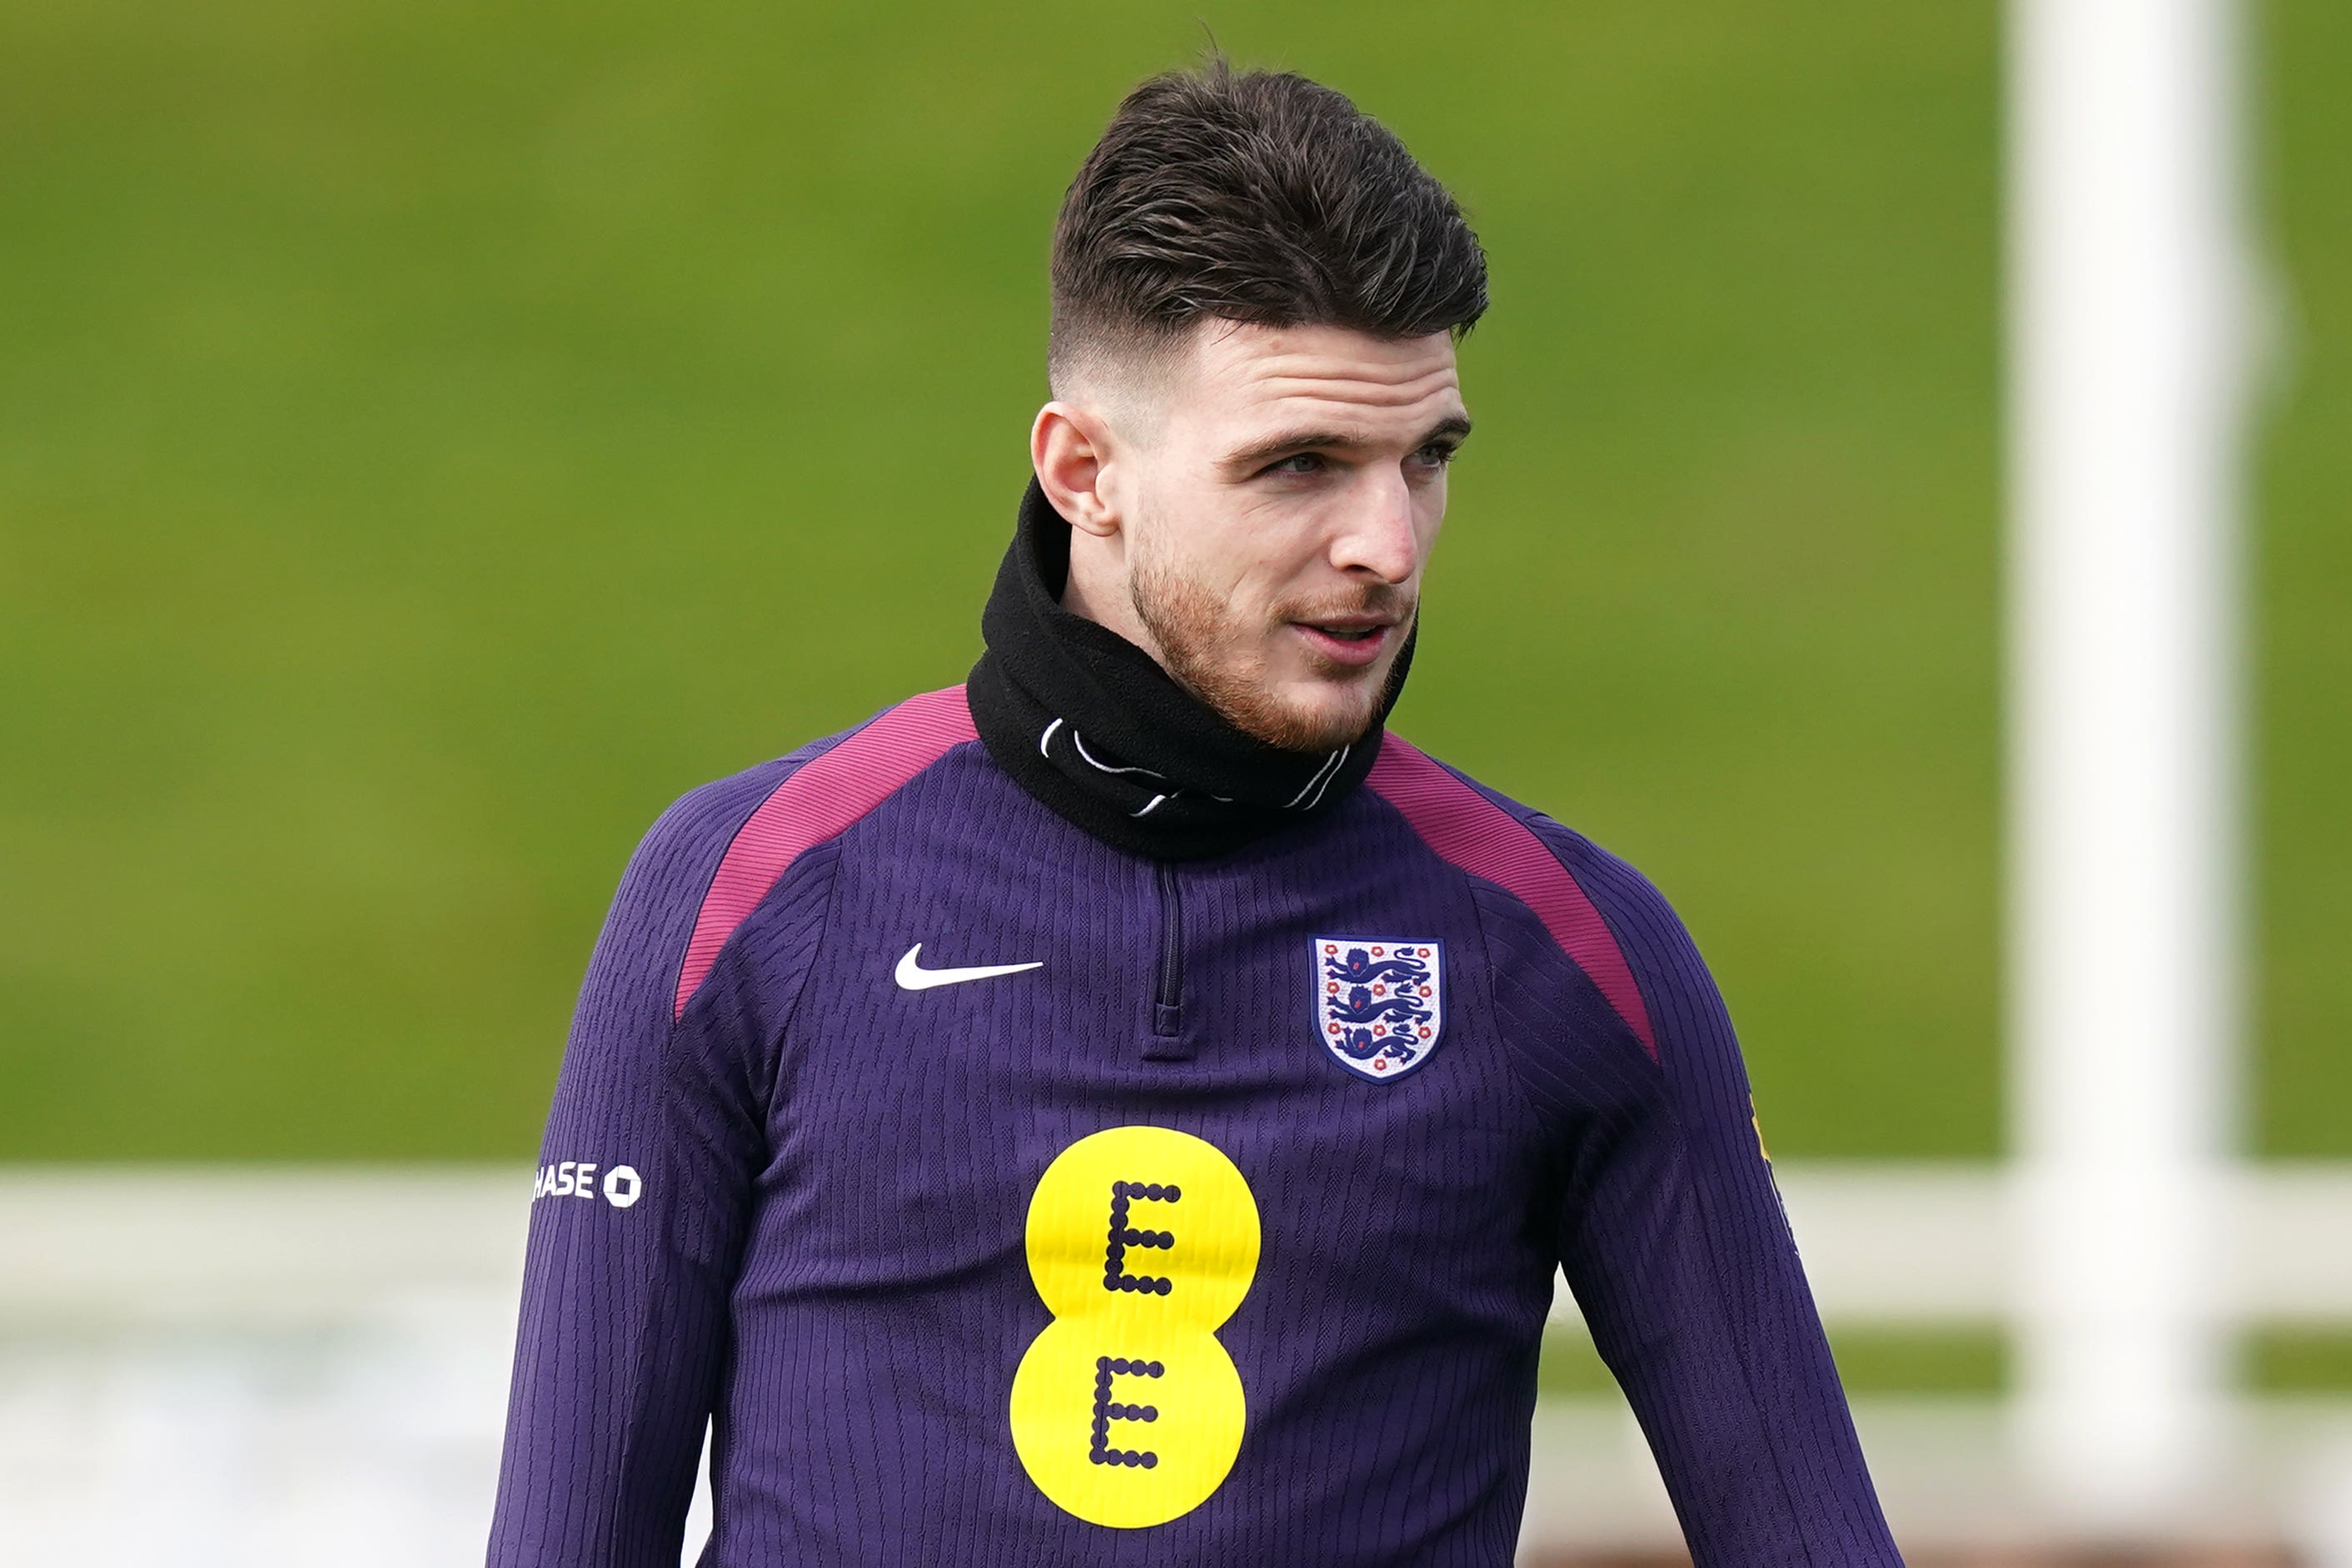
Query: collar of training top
<point>1091,726</point>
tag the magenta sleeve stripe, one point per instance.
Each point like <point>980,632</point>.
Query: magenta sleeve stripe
<point>819,801</point>
<point>1467,829</point>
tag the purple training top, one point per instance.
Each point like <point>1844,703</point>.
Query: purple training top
<point>1003,1198</point>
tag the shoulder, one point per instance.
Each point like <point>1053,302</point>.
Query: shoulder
<point>1604,915</point>
<point>720,849</point>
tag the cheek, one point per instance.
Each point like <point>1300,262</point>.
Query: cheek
<point>1428,516</point>
<point>1242,557</point>
<point>1276,584</point>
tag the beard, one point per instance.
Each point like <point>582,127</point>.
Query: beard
<point>1207,648</point>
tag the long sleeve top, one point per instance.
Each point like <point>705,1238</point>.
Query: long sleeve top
<point>998,1196</point>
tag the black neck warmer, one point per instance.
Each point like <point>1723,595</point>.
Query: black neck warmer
<point>1090,724</point>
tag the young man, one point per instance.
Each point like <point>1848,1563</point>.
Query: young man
<point>1129,1109</point>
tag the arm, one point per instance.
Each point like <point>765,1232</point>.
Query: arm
<point>624,1323</point>
<point>1673,1241</point>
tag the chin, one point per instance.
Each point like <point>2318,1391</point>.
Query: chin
<point>1323,717</point>
<point>1312,710</point>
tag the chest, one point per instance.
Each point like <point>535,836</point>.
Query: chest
<point>1318,1017</point>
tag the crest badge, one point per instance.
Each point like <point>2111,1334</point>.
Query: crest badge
<point>1380,1003</point>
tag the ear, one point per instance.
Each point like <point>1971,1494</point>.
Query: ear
<point>1070,447</point>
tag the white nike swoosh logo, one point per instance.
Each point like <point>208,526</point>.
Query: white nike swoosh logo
<point>913,976</point>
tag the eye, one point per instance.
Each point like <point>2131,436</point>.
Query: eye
<point>1436,455</point>
<point>1296,463</point>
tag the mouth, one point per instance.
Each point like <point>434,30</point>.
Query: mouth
<point>1350,640</point>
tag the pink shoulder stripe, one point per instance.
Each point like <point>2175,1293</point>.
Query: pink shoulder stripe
<point>1465,827</point>
<point>819,801</point>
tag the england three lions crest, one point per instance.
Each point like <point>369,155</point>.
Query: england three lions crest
<point>1380,1003</point>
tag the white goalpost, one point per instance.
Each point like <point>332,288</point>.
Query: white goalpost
<point>2126,381</point>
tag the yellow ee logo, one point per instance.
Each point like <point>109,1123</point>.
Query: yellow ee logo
<point>1127,1412</point>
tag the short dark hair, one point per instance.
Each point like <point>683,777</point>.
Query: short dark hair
<point>1255,196</point>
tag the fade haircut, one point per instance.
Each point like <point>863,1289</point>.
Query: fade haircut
<point>1251,196</point>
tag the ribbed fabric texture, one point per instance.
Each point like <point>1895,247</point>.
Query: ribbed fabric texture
<point>1678,1251</point>
<point>828,1256</point>
<point>624,1319</point>
<point>815,804</point>
<point>1465,827</point>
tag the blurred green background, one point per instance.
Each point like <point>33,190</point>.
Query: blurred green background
<point>434,436</point>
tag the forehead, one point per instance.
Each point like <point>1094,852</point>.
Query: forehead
<point>1244,375</point>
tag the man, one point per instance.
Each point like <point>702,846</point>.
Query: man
<point>1129,1109</point>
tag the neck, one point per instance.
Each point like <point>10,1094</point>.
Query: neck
<point>1097,589</point>
<point>1088,722</point>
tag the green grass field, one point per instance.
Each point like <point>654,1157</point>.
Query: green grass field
<point>434,436</point>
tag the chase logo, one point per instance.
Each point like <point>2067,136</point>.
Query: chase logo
<point>622,1187</point>
<point>1380,1002</point>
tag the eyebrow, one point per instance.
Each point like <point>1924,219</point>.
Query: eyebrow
<point>1453,427</point>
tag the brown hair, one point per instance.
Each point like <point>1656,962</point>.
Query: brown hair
<point>1256,197</point>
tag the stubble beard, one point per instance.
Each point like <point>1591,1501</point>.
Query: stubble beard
<point>1196,638</point>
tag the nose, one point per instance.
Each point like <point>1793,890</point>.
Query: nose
<point>1376,536</point>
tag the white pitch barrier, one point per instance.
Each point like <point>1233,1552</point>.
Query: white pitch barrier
<point>221,1368</point>
<point>2127,318</point>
